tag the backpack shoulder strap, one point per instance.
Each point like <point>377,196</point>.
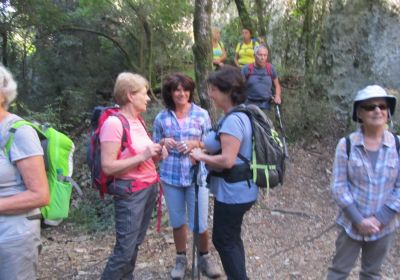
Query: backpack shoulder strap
<point>269,71</point>
<point>348,146</point>
<point>218,125</point>
<point>14,128</point>
<point>396,140</point>
<point>242,109</point>
<point>250,71</point>
<point>126,140</point>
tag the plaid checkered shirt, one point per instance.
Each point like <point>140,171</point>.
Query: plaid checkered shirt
<point>176,168</point>
<point>355,181</point>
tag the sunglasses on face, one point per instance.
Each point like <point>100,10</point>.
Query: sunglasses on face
<point>372,107</point>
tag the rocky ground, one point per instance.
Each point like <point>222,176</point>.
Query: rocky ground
<point>288,235</point>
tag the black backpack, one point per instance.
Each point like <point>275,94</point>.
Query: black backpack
<point>267,164</point>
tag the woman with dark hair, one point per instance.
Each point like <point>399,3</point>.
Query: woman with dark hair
<point>244,52</point>
<point>232,199</point>
<point>180,128</point>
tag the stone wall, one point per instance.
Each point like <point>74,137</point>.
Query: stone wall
<point>361,46</point>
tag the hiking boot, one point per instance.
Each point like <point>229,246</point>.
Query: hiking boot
<point>208,267</point>
<point>178,272</point>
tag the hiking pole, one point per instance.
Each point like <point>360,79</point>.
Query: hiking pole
<point>282,129</point>
<point>195,251</point>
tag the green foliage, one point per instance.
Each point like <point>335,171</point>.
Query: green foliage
<point>151,114</point>
<point>55,47</point>
<point>50,115</point>
<point>309,115</point>
<point>231,35</point>
<point>93,214</point>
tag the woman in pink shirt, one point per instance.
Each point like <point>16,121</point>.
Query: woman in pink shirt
<point>136,180</point>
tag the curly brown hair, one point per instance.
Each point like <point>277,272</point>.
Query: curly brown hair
<point>171,83</point>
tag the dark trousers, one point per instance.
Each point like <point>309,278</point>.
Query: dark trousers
<point>132,218</point>
<point>373,254</point>
<point>226,238</point>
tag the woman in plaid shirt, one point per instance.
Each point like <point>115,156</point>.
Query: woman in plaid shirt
<point>366,187</point>
<point>180,128</point>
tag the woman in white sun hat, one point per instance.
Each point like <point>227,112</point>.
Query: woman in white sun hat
<point>366,187</point>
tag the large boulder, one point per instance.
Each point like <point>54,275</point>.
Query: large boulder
<point>361,46</point>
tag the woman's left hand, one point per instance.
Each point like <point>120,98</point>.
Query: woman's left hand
<point>164,153</point>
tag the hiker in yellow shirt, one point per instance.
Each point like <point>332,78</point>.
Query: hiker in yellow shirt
<point>244,53</point>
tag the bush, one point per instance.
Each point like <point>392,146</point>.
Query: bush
<point>93,214</point>
<point>309,116</point>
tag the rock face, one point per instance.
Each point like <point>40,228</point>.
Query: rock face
<point>361,46</point>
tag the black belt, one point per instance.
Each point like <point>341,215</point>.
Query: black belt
<point>34,217</point>
<point>268,99</point>
<point>237,173</point>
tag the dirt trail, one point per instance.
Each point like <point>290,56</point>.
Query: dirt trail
<point>289,235</point>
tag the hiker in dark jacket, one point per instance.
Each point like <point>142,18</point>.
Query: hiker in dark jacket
<point>232,199</point>
<point>366,187</point>
<point>135,185</point>
<point>260,78</point>
<point>23,189</point>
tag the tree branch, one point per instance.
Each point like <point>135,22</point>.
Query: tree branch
<point>114,41</point>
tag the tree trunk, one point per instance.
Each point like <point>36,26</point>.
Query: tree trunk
<point>262,31</point>
<point>4,43</point>
<point>243,14</point>
<point>307,34</point>
<point>202,52</point>
<point>262,24</point>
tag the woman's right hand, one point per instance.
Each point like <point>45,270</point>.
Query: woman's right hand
<point>152,151</point>
<point>169,143</point>
<point>369,226</point>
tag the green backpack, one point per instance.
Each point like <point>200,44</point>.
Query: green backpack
<point>58,151</point>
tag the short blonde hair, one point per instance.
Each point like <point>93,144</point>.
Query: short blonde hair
<point>128,82</point>
<point>215,31</point>
<point>8,86</point>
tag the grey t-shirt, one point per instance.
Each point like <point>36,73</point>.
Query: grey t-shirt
<point>237,125</point>
<point>259,85</point>
<point>373,157</point>
<point>26,144</point>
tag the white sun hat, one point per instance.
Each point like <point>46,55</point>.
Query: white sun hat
<point>370,92</point>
